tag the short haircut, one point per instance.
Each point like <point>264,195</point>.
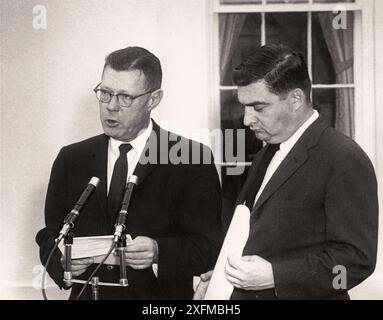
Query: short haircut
<point>279,66</point>
<point>137,58</point>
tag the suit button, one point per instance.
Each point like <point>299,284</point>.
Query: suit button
<point>109,267</point>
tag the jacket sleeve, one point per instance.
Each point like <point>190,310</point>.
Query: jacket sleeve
<point>55,211</point>
<point>351,213</point>
<point>198,225</point>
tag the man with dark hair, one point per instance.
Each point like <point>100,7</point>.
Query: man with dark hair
<point>311,191</point>
<point>174,213</point>
<point>136,58</point>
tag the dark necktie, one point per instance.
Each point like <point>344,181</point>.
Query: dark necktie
<point>117,184</point>
<point>260,173</point>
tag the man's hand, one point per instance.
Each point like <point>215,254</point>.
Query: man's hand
<point>78,266</point>
<point>141,253</point>
<point>250,273</point>
<point>202,285</point>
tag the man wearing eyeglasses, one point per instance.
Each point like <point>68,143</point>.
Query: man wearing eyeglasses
<point>174,213</point>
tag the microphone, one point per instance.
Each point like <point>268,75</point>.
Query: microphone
<point>71,216</point>
<point>68,242</point>
<point>120,223</point>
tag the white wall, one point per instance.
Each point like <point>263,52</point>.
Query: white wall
<point>372,288</point>
<point>47,77</point>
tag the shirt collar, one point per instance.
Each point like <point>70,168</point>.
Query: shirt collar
<point>138,143</point>
<point>289,143</point>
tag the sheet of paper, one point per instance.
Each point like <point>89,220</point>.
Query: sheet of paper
<point>112,259</point>
<point>235,240</point>
<point>96,247</point>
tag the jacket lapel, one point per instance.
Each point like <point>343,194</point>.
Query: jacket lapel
<point>142,170</point>
<point>151,155</point>
<point>294,159</point>
<point>246,188</point>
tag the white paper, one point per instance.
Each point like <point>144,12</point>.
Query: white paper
<point>93,247</point>
<point>219,288</point>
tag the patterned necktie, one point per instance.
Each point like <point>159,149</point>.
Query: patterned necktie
<point>260,173</point>
<point>117,184</point>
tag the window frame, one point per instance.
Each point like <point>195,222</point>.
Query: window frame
<point>363,85</point>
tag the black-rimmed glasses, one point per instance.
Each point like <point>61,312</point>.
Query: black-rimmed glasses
<point>124,100</point>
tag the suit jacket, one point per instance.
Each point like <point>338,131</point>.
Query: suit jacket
<point>178,205</point>
<point>318,211</point>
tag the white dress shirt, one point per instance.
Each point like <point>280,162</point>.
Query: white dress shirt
<point>284,149</point>
<point>133,156</point>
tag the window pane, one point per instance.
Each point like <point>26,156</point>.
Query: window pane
<point>232,118</point>
<point>239,35</point>
<point>323,67</point>
<point>324,100</point>
<point>289,29</point>
<point>333,48</point>
<point>337,107</point>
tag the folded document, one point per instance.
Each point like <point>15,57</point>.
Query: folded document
<point>93,247</point>
<point>219,288</point>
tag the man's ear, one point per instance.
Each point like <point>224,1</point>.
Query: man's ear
<point>297,98</point>
<point>155,99</point>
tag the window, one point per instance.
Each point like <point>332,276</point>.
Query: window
<point>326,32</point>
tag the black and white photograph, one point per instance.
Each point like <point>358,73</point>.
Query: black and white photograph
<point>208,151</point>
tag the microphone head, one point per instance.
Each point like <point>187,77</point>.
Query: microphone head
<point>94,181</point>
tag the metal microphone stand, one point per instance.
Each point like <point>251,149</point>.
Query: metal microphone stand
<point>68,241</point>
<point>96,284</point>
<point>95,290</point>
<point>121,245</point>
<point>119,238</point>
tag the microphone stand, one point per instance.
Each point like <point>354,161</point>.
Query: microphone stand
<point>68,241</point>
<point>95,288</point>
<point>66,232</point>
<point>120,228</point>
<point>119,240</point>
<point>121,245</point>
<point>93,280</point>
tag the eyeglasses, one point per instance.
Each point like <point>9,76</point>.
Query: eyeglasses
<point>124,100</point>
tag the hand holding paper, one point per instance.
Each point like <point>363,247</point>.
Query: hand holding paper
<point>78,266</point>
<point>202,286</point>
<point>92,247</point>
<point>141,253</point>
<point>220,288</point>
<point>249,273</point>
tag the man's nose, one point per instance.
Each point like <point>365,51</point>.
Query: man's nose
<point>113,104</point>
<point>249,116</point>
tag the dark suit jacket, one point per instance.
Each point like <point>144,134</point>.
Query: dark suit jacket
<point>319,210</point>
<point>178,205</point>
